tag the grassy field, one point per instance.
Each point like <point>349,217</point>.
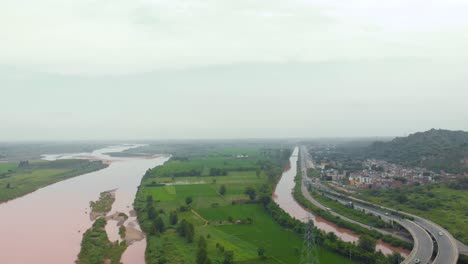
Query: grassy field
<point>17,180</point>
<point>446,207</point>
<point>226,221</point>
<point>264,233</point>
<point>5,167</point>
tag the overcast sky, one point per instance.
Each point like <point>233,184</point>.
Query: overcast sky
<point>156,69</point>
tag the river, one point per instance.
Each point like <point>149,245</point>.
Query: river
<point>284,198</point>
<point>46,226</point>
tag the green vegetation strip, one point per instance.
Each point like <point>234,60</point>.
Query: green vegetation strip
<point>359,216</point>
<point>96,247</point>
<point>18,180</point>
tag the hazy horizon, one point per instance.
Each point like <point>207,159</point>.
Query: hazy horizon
<point>149,70</point>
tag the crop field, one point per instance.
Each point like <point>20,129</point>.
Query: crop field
<point>228,221</point>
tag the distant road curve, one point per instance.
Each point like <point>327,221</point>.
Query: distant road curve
<point>423,232</point>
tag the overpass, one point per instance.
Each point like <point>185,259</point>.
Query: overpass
<point>425,233</point>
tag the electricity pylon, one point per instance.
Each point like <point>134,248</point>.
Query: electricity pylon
<point>309,247</point>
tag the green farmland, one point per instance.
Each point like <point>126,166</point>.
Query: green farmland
<point>231,223</point>
<point>19,179</point>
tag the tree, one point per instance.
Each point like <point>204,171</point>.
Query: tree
<point>265,199</point>
<point>152,230</point>
<point>152,214</point>
<point>395,258</point>
<point>188,200</point>
<point>332,237</point>
<point>250,191</point>
<point>202,254</point>
<point>261,252</point>
<point>228,257</point>
<point>187,230</point>
<point>222,190</point>
<point>190,232</point>
<point>159,224</point>
<point>173,219</point>
<point>402,198</point>
<point>367,243</point>
<point>149,200</point>
<point>182,228</point>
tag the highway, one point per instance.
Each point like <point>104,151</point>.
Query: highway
<point>307,181</point>
<point>420,229</point>
<point>447,245</point>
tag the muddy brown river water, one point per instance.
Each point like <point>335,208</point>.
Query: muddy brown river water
<point>284,198</point>
<point>46,226</point>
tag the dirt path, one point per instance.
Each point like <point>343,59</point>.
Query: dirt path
<point>199,216</point>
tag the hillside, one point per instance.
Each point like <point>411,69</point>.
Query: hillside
<point>435,149</point>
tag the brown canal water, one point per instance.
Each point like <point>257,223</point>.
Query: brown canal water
<point>284,198</point>
<point>46,226</point>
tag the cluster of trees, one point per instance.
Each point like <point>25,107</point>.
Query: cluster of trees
<point>459,185</point>
<point>23,164</point>
<point>173,218</point>
<point>271,169</point>
<point>202,253</point>
<point>187,230</point>
<point>228,254</point>
<point>156,223</point>
<point>188,202</point>
<point>218,172</point>
<point>278,156</point>
<point>342,158</point>
<point>362,252</point>
<point>434,149</point>
<point>96,247</point>
<point>175,169</point>
<point>250,191</point>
